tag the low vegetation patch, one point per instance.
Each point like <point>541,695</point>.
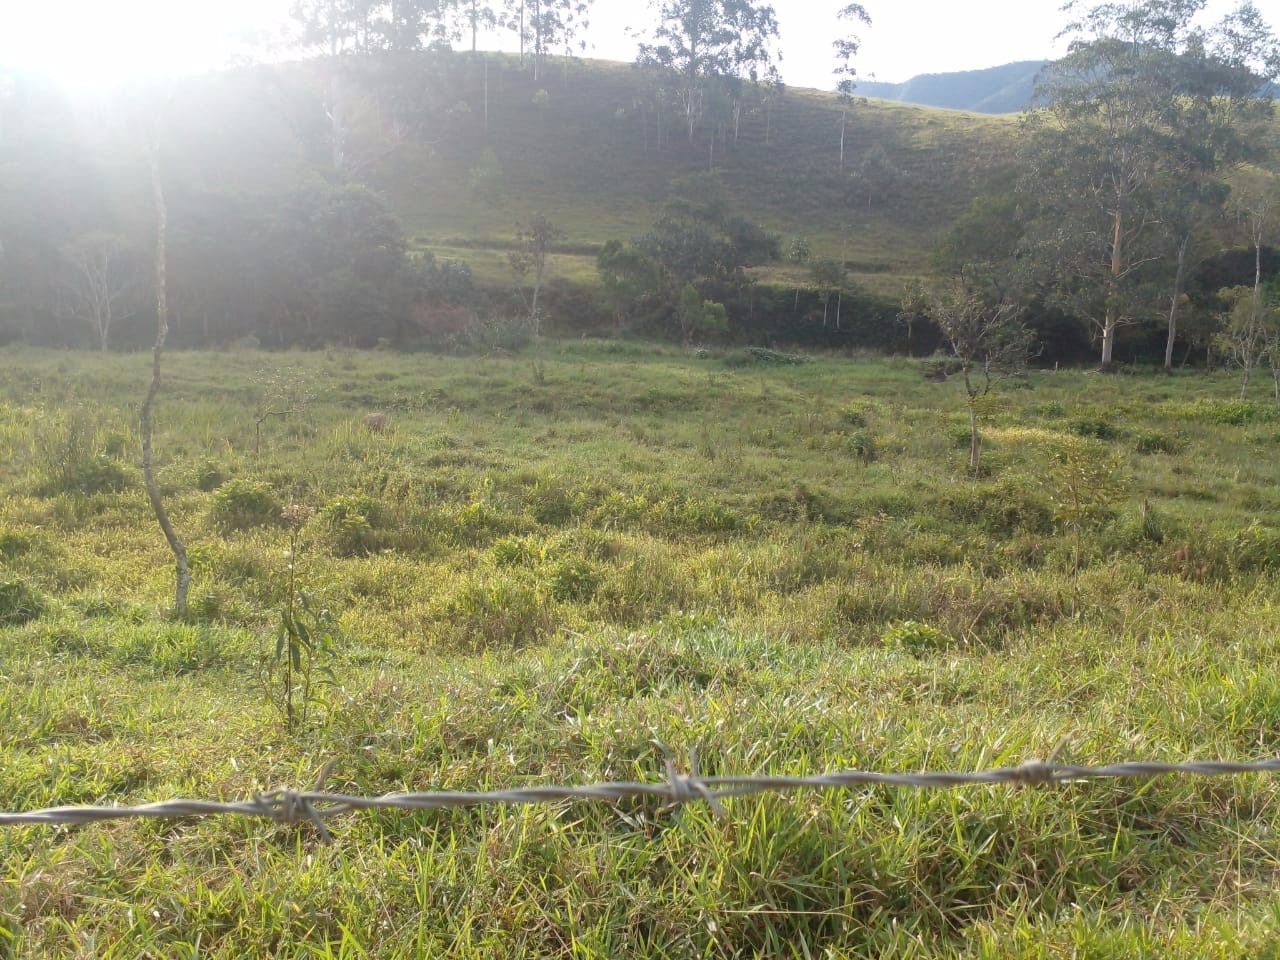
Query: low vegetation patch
<point>572,572</point>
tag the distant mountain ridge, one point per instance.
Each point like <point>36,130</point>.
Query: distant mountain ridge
<point>1008,88</point>
<point>1004,89</point>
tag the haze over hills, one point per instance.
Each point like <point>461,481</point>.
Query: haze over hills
<point>464,152</point>
<point>1007,88</point>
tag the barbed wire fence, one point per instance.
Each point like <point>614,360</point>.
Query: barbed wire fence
<point>678,789</point>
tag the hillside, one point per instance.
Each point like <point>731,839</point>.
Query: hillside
<point>463,150</point>
<point>1007,88</point>
<point>581,149</point>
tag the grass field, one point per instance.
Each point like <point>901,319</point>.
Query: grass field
<point>546,570</point>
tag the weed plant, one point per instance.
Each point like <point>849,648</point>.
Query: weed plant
<point>784,568</point>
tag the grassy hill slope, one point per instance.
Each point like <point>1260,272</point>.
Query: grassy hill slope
<point>576,147</point>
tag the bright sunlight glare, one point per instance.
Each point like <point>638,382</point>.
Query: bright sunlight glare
<point>89,44</point>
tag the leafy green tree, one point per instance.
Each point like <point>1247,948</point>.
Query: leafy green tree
<point>485,180</point>
<point>698,237</point>
<point>828,276</point>
<point>1252,324</point>
<point>874,175</point>
<point>697,315</point>
<point>1245,331</point>
<point>627,277</point>
<point>476,16</point>
<point>529,263</point>
<point>1136,77</point>
<point>1220,125</point>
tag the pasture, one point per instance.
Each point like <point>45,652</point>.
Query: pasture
<point>554,570</point>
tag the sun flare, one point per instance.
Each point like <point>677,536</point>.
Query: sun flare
<point>113,43</point>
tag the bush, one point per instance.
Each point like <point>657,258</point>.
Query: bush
<point>516,552</point>
<point>352,512</point>
<point>1153,441</point>
<point>495,613</point>
<point>1099,428</point>
<point>14,544</point>
<point>19,603</point>
<point>210,476</point>
<point>574,580</point>
<point>1232,413</point>
<point>914,637</point>
<point>862,445</point>
<point>244,504</point>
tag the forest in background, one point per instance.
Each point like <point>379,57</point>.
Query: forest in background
<point>389,189</point>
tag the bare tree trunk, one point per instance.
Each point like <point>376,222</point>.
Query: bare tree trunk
<point>1174,302</point>
<point>975,441</point>
<point>1112,318</point>
<point>535,320</point>
<point>843,115</point>
<point>181,568</point>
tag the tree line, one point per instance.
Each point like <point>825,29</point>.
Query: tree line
<point>1140,162</point>
<point>1139,172</point>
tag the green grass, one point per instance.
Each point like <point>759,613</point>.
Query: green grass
<point>547,578</point>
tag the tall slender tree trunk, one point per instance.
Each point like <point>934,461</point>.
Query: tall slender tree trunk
<point>1174,301</point>
<point>843,116</point>
<point>182,570</point>
<point>975,441</point>
<point>1111,319</point>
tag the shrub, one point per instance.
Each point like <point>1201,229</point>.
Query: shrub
<point>69,458</point>
<point>14,544</point>
<point>914,637</point>
<point>19,603</point>
<point>862,445</point>
<point>1097,427</point>
<point>210,476</point>
<point>243,504</point>
<point>1233,413</point>
<point>516,552</point>
<point>574,580</point>
<point>495,613</point>
<point>352,521</point>
<point>1153,441</point>
<point>551,503</point>
<point>696,515</point>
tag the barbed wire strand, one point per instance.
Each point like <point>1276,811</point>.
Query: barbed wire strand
<point>315,806</point>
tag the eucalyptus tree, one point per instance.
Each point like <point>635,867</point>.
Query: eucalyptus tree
<point>1223,111</point>
<point>846,48</point>
<point>546,25</point>
<point>699,41</point>
<point>1142,93</point>
<point>530,262</point>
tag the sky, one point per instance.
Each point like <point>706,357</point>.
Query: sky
<point>129,39</point>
